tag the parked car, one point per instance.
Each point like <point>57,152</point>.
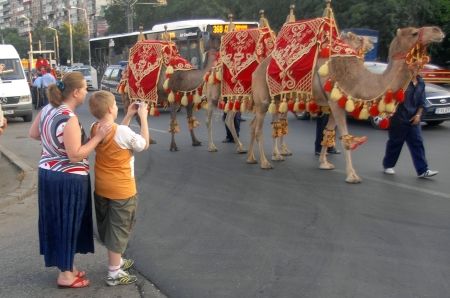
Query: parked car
<point>437,103</point>
<point>90,75</point>
<point>110,80</point>
<point>435,74</point>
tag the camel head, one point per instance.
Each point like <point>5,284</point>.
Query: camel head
<point>407,38</point>
<point>361,44</point>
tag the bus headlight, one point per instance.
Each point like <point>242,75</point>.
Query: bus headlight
<point>25,98</point>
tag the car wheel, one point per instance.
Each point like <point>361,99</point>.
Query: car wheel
<point>28,117</point>
<point>303,116</point>
<point>434,123</point>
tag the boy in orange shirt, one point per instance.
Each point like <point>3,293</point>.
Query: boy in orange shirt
<point>115,185</point>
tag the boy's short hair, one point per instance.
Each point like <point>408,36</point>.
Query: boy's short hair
<point>100,102</point>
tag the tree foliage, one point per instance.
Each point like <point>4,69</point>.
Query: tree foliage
<point>385,16</point>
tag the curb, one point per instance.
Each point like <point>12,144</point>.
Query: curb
<point>27,185</point>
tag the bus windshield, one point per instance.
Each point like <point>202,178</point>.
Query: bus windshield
<point>11,69</point>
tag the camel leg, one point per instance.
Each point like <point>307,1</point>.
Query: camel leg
<point>211,146</point>
<point>192,124</point>
<point>276,155</point>
<point>264,163</point>
<point>173,127</point>
<point>229,122</point>
<point>324,164</point>
<point>341,121</point>
<point>251,155</point>
<point>284,150</point>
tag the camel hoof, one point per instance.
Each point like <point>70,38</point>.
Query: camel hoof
<point>241,150</point>
<point>173,149</point>
<point>266,165</point>
<point>196,144</point>
<point>286,153</point>
<point>212,149</point>
<point>277,158</point>
<point>353,179</point>
<point>326,166</point>
<point>252,161</point>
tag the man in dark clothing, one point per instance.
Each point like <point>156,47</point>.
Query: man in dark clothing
<point>321,124</point>
<point>405,127</point>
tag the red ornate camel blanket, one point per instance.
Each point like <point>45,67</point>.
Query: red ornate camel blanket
<point>144,67</point>
<point>240,53</point>
<point>298,45</point>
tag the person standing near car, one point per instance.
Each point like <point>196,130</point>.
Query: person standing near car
<point>405,127</point>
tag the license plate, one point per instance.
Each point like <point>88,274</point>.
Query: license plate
<point>8,112</point>
<point>445,110</point>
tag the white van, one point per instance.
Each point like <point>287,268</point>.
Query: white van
<point>15,96</point>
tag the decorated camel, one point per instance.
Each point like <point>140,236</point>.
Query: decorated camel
<point>158,74</point>
<point>344,84</point>
<point>228,85</point>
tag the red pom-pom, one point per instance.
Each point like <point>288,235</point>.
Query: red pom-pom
<point>301,105</point>
<point>328,86</point>
<point>325,52</point>
<point>221,105</point>
<point>373,111</point>
<point>342,101</point>
<point>237,105</point>
<point>384,123</point>
<point>178,96</point>
<point>313,107</point>
<point>207,77</point>
<point>200,90</point>
<point>388,96</point>
<point>356,112</point>
<point>190,97</point>
<point>400,95</point>
<point>156,112</point>
<point>230,104</point>
<point>291,105</point>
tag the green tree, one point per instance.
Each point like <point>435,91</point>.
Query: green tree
<point>11,36</point>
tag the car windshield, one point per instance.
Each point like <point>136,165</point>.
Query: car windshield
<point>84,71</point>
<point>11,69</point>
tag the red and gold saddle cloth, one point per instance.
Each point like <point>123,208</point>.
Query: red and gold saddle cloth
<point>241,52</point>
<point>298,44</point>
<point>144,67</point>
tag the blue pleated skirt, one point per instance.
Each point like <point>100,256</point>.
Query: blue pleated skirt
<point>65,217</point>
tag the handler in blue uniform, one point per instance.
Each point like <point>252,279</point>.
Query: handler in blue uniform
<point>405,127</point>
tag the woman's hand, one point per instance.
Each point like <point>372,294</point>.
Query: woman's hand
<point>103,130</point>
<point>143,110</point>
<point>132,108</point>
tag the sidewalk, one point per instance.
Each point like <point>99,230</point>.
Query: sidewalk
<point>23,272</point>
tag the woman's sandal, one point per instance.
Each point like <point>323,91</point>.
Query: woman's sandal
<point>81,274</point>
<point>79,282</point>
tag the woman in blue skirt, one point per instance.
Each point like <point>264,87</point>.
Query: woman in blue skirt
<point>65,214</point>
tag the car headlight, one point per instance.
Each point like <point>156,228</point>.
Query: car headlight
<point>25,98</point>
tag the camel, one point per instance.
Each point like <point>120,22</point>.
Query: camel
<point>182,82</point>
<point>357,82</point>
<point>359,43</point>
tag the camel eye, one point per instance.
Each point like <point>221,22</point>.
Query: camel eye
<point>415,34</point>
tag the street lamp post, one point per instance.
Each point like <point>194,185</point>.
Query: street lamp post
<point>70,37</point>
<point>57,44</point>
<point>30,53</point>
<point>88,31</point>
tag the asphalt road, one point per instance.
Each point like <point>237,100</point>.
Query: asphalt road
<point>209,225</point>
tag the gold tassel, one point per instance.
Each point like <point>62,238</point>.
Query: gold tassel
<point>226,109</point>
<point>171,97</point>
<point>169,70</point>
<point>211,78</point>
<point>166,84</point>
<point>283,106</point>
<point>324,70</point>
<point>336,94</point>
<point>390,107</point>
<point>364,114</point>
<point>272,107</point>
<point>204,105</point>
<point>152,110</point>
<point>350,105</point>
<point>197,98</point>
<point>244,105</point>
<point>296,106</point>
<point>382,106</point>
<point>218,75</point>
<point>184,100</point>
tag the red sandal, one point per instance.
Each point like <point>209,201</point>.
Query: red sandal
<point>81,274</point>
<point>79,282</point>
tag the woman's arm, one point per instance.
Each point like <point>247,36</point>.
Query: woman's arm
<point>72,140</point>
<point>34,132</point>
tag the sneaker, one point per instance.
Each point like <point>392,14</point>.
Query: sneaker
<point>121,278</point>
<point>389,171</point>
<point>428,173</point>
<point>127,264</point>
<point>333,150</point>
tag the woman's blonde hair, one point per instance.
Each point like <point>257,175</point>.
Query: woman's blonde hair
<point>60,91</point>
<point>100,102</point>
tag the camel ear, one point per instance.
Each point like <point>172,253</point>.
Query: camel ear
<point>351,35</point>
<point>399,31</point>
